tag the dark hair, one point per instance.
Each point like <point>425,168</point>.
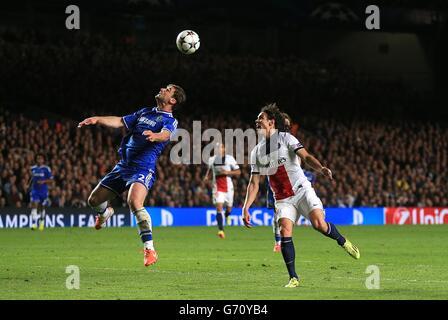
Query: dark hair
<point>287,117</point>
<point>179,95</point>
<point>41,155</point>
<point>273,113</point>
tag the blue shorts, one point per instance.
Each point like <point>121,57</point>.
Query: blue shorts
<point>121,177</point>
<point>39,197</point>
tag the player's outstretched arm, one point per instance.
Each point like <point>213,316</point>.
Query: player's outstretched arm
<point>108,121</point>
<point>161,136</point>
<point>251,195</point>
<point>313,163</point>
<point>206,174</point>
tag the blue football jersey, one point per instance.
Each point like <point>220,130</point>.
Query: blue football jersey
<point>135,150</point>
<point>39,174</point>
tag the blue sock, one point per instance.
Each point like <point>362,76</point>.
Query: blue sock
<point>219,219</point>
<point>146,235</point>
<point>289,255</point>
<point>333,233</point>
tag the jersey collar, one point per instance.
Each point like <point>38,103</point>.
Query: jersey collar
<point>160,111</point>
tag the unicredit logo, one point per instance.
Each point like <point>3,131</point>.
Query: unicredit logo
<point>401,215</point>
<point>416,215</point>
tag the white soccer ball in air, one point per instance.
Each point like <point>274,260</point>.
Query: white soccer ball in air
<point>188,42</point>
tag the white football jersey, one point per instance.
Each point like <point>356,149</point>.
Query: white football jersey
<point>281,164</point>
<point>216,164</point>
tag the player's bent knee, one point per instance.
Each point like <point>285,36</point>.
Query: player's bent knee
<point>285,233</point>
<point>285,228</point>
<point>134,204</point>
<point>319,225</point>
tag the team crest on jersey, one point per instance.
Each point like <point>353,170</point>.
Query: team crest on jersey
<point>270,163</point>
<point>271,160</point>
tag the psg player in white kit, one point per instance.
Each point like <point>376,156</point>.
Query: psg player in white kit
<point>278,157</point>
<point>223,166</point>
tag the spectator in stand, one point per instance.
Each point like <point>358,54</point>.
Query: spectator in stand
<point>375,162</point>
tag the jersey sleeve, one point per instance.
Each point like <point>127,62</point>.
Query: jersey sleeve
<point>233,164</point>
<point>292,142</point>
<point>170,124</point>
<point>253,162</point>
<point>131,119</point>
<point>48,174</point>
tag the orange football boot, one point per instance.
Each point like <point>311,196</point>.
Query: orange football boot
<point>100,221</point>
<point>150,257</point>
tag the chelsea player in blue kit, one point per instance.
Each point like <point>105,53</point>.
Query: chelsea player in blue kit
<point>40,177</point>
<point>149,131</point>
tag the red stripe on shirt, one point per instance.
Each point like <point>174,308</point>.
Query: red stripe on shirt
<point>221,182</point>
<point>280,184</point>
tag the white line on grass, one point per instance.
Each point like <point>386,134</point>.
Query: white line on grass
<point>400,280</point>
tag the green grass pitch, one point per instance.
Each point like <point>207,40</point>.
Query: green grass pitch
<point>195,264</point>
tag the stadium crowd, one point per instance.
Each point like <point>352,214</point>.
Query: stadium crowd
<point>91,72</point>
<point>375,161</point>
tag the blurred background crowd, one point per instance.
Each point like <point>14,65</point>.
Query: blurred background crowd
<point>400,163</point>
<point>381,137</point>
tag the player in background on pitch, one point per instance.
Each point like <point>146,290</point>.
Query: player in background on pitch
<point>40,178</point>
<point>270,204</point>
<point>149,131</point>
<point>270,201</point>
<point>293,193</point>
<point>223,167</point>
<point>270,196</point>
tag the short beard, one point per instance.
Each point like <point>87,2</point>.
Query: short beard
<point>159,100</point>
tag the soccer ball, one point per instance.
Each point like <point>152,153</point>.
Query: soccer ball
<point>188,42</point>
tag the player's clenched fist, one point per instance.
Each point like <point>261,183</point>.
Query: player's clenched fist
<point>327,172</point>
<point>88,122</point>
<point>150,136</point>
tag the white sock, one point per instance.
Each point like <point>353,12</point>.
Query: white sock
<point>144,221</point>
<point>149,245</point>
<point>33,215</point>
<point>101,208</point>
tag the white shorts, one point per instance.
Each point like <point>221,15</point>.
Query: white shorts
<point>302,203</point>
<point>223,197</point>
